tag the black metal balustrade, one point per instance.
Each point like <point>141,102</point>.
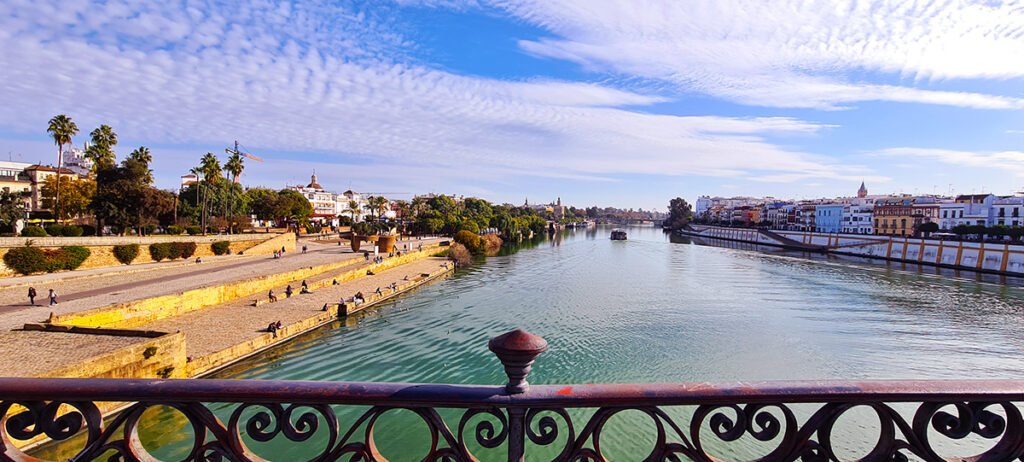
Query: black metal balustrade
<point>517,416</point>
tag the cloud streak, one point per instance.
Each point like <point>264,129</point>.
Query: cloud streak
<point>335,83</point>
<point>791,53</point>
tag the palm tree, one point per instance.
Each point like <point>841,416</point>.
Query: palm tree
<point>209,168</point>
<point>101,152</point>
<point>378,204</point>
<point>353,208</point>
<point>235,165</point>
<point>61,129</point>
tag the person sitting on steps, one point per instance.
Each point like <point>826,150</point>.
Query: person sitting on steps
<point>272,296</point>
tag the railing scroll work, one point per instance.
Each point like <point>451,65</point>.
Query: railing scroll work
<point>784,421</point>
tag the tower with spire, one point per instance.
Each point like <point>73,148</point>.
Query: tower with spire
<point>863,191</point>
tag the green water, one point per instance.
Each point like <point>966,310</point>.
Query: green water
<point>652,310</point>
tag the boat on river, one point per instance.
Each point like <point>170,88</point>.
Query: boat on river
<point>618,235</point>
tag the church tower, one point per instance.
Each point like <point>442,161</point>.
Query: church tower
<point>863,191</point>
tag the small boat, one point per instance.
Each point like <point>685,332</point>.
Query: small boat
<point>618,235</point>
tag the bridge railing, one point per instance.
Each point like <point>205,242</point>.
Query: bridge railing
<point>518,417</point>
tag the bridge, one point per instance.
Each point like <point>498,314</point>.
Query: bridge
<point>794,420</point>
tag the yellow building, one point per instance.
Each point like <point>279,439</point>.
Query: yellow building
<point>903,216</point>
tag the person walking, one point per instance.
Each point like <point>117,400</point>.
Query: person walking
<point>288,291</point>
<point>32,295</point>
<point>53,297</point>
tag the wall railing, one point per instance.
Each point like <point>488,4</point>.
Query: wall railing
<point>790,420</point>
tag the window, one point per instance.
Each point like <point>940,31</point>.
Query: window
<point>945,213</point>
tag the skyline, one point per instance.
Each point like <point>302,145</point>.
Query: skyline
<point>623,104</point>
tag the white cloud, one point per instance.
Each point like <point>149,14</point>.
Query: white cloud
<point>331,80</point>
<point>1011,162</point>
<point>792,53</point>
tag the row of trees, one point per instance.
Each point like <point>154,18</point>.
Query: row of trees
<point>977,231</point>
<point>443,214</point>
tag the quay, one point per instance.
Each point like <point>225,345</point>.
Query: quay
<point>982,257</point>
<point>189,320</point>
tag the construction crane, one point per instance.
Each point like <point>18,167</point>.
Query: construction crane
<point>243,154</point>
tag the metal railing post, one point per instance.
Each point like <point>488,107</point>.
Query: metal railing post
<point>517,350</point>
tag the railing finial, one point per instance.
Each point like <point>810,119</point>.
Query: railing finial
<point>517,350</point>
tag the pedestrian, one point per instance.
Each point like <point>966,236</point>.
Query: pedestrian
<point>379,292</point>
<point>272,328</point>
<point>272,296</point>
<point>304,249</point>
<point>282,250</point>
<point>304,285</point>
<point>334,282</point>
<point>53,297</point>
<point>32,295</point>
<point>288,291</point>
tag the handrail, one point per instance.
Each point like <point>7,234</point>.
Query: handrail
<point>795,419</point>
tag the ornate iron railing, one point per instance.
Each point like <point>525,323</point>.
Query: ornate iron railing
<point>516,417</point>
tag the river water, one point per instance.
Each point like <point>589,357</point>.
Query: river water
<point>655,309</point>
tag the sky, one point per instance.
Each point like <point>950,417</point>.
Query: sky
<point>599,102</point>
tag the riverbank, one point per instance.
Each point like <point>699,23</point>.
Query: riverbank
<point>190,333</point>
<point>1002,259</point>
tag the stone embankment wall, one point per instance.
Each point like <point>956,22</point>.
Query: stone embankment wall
<point>157,354</point>
<point>141,312</point>
<point>227,356</point>
<point>102,248</point>
<point>1001,258</point>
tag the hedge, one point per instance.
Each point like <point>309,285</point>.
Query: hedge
<point>33,231</point>
<point>72,231</point>
<point>194,230</point>
<point>220,247</point>
<point>174,229</point>
<point>184,249</point>
<point>65,258</point>
<point>25,260</point>
<point>126,254</point>
<point>160,251</point>
<point>28,260</point>
<point>55,230</point>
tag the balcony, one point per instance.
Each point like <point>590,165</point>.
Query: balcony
<point>789,420</point>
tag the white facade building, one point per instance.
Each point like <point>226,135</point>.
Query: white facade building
<point>1008,211</point>
<point>966,210</point>
<point>322,201</point>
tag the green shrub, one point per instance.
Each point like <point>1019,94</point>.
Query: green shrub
<point>26,260</point>
<point>126,254</point>
<point>88,230</point>
<point>33,231</point>
<point>72,231</point>
<point>66,258</point>
<point>175,229</point>
<point>55,230</point>
<point>174,250</point>
<point>160,251</point>
<point>471,240</point>
<point>194,230</point>
<point>220,247</point>
<point>186,249</point>
<point>470,225</point>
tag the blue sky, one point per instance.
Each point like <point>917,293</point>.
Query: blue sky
<point>599,102</point>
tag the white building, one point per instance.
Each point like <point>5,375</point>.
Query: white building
<point>324,205</point>
<point>75,160</point>
<point>858,217</point>
<point>1008,211</point>
<point>975,209</point>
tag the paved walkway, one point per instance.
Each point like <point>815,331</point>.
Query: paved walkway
<point>88,293</point>
<point>216,328</point>
<point>28,353</point>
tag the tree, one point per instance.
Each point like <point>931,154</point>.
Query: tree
<point>928,228</point>
<point>679,213</point>
<point>291,206</point>
<point>377,205</point>
<point>12,208</point>
<point>127,197</point>
<point>1015,233</point>
<point>101,151</point>
<point>353,208</point>
<point>210,170</point>
<point>997,231</point>
<point>235,166</point>
<point>61,129</point>
<point>78,195</point>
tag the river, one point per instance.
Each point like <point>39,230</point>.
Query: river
<point>653,310</point>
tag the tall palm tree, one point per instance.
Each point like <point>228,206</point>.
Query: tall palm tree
<point>378,204</point>
<point>143,156</point>
<point>209,167</point>
<point>101,152</point>
<point>235,166</point>
<point>353,208</point>
<point>61,129</point>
